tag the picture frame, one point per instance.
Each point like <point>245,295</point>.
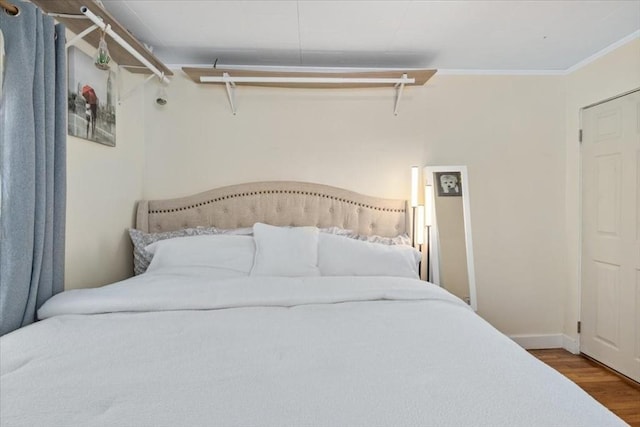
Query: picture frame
<point>449,184</point>
<point>91,99</point>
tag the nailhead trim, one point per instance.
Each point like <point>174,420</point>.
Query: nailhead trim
<point>255,193</point>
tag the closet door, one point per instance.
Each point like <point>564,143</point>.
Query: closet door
<point>610,316</point>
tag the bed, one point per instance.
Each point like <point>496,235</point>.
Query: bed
<point>213,334</point>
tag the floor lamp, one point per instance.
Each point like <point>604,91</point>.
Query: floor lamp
<point>418,217</point>
<point>415,178</point>
<point>419,232</point>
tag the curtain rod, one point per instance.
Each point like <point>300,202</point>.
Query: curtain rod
<point>98,22</point>
<point>107,28</point>
<point>10,8</point>
<point>226,77</point>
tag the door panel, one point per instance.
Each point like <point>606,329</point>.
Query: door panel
<point>608,169</point>
<point>607,303</point>
<point>610,278</point>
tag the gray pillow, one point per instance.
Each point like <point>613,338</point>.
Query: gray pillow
<point>402,239</point>
<point>140,240</point>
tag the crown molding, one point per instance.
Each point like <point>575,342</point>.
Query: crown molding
<point>603,52</point>
<point>457,72</point>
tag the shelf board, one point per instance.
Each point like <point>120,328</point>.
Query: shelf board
<point>421,76</point>
<point>118,53</point>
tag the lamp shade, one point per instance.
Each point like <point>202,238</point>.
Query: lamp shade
<point>428,205</point>
<point>419,231</point>
<point>415,177</point>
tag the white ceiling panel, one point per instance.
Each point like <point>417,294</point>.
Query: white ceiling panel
<point>200,56</point>
<point>450,34</point>
<point>220,24</point>
<point>365,59</point>
<point>127,17</point>
<point>349,25</point>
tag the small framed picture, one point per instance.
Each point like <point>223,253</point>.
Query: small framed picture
<point>448,184</point>
<point>91,99</point>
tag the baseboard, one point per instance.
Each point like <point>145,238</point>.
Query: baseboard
<point>536,342</point>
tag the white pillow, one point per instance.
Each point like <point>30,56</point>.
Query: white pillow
<point>224,252</point>
<point>285,251</point>
<point>342,256</point>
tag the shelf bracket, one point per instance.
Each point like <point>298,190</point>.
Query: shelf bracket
<point>399,90</point>
<point>231,89</point>
<point>135,88</point>
<point>80,36</point>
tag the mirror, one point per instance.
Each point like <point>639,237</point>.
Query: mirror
<point>449,245</point>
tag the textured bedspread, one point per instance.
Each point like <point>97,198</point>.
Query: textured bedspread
<point>186,350</point>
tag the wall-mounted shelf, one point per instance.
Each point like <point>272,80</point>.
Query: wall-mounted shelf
<point>420,77</point>
<point>78,23</point>
<point>310,79</point>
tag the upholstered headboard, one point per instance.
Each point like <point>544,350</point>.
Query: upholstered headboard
<point>277,203</point>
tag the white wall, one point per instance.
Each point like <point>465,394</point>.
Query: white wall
<point>508,130</point>
<point>103,184</point>
<point>516,134</point>
<point>610,75</point>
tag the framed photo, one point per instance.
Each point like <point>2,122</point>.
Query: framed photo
<point>448,184</point>
<point>91,99</point>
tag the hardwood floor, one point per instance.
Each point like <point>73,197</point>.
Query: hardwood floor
<point>620,395</point>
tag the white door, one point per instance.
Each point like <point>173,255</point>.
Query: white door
<point>610,315</point>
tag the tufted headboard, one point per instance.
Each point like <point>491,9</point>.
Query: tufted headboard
<point>277,203</point>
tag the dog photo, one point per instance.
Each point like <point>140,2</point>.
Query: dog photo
<point>449,183</point>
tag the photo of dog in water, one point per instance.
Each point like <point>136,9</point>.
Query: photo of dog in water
<point>449,183</point>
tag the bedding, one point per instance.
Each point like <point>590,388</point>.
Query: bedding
<point>339,256</point>
<point>142,258</point>
<point>231,255</point>
<point>285,251</point>
<point>400,239</point>
<point>183,347</point>
<point>140,240</point>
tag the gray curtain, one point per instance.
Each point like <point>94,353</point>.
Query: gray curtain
<point>33,136</point>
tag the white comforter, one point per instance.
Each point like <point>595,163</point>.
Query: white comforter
<point>175,349</point>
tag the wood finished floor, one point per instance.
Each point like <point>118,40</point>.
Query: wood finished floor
<point>619,395</point>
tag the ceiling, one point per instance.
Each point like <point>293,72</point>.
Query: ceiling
<point>455,35</point>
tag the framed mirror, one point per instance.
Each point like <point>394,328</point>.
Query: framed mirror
<point>449,239</point>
